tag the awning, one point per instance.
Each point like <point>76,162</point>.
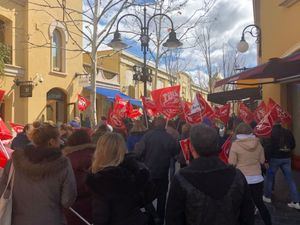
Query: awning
<point>279,69</point>
<point>239,94</point>
<point>110,94</point>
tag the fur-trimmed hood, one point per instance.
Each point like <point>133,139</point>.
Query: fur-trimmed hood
<point>70,149</point>
<point>38,163</point>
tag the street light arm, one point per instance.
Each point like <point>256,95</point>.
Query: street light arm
<point>160,14</point>
<point>251,31</point>
<point>130,14</point>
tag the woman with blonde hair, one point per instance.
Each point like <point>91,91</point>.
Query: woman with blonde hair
<point>119,184</point>
<point>136,133</point>
<point>247,154</point>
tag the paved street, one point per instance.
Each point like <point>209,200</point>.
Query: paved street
<point>281,214</point>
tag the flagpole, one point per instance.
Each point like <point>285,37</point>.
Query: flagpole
<point>4,149</point>
<point>78,215</point>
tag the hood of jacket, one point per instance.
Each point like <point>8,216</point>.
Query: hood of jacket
<point>210,176</point>
<point>121,180</point>
<point>70,149</point>
<point>249,144</point>
<point>37,163</point>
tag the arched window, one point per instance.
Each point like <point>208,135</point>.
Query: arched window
<point>57,57</point>
<point>2,31</point>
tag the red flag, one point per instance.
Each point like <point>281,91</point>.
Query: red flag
<point>120,107</point>
<point>185,148</point>
<point>222,113</point>
<point>205,108</point>
<point>2,94</point>
<point>277,113</point>
<point>131,112</point>
<point>245,113</point>
<point>225,149</point>
<point>149,106</point>
<point>114,120</point>
<point>264,127</point>
<point>5,133</point>
<point>83,103</point>
<point>167,101</point>
<point>190,118</point>
<point>260,112</point>
<point>4,154</point>
<point>18,128</point>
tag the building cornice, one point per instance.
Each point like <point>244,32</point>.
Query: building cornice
<point>20,2</point>
<point>287,3</point>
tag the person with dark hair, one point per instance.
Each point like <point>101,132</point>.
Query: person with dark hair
<point>136,133</point>
<point>208,191</point>
<point>22,139</point>
<point>281,146</point>
<point>156,149</point>
<point>65,132</point>
<point>80,151</point>
<point>247,154</point>
<point>44,181</point>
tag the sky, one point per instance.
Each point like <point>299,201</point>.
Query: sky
<point>228,18</point>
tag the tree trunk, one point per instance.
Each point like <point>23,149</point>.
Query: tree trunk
<point>94,66</point>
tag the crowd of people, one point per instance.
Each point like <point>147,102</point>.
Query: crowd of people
<point>73,175</point>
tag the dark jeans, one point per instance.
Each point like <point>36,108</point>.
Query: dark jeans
<point>161,190</point>
<point>257,193</point>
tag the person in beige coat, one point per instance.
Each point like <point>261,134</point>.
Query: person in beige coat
<point>247,154</point>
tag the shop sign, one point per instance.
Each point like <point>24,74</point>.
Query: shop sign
<point>84,81</point>
<point>26,90</point>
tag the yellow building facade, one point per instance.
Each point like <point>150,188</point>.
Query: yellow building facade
<point>279,23</point>
<point>116,70</point>
<point>43,58</point>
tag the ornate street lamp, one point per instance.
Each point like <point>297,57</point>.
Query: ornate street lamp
<point>254,31</point>
<point>144,74</point>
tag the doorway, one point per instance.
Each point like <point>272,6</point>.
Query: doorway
<point>57,106</point>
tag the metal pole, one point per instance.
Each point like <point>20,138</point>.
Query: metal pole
<point>144,47</point>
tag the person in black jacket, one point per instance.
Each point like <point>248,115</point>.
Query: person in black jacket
<point>208,191</point>
<point>156,149</point>
<point>282,143</point>
<point>119,183</point>
<point>22,139</point>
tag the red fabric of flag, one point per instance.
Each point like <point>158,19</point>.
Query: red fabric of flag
<point>245,113</point>
<point>205,108</point>
<point>260,112</point>
<point>131,112</point>
<point>225,149</point>
<point>190,118</point>
<point>264,127</point>
<point>82,103</point>
<point>18,128</point>
<point>5,133</point>
<point>222,113</point>
<point>185,148</point>
<point>277,113</point>
<point>168,101</point>
<point>114,120</point>
<point>2,94</point>
<point>149,106</point>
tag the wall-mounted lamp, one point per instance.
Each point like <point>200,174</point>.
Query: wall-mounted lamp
<point>255,32</point>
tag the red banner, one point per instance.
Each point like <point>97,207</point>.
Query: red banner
<point>18,128</point>
<point>167,101</point>
<point>277,113</point>
<point>245,113</point>
<point>2,94</point>
<point>260,112</point>
<point>264,127</point>
<point>185,148</point>
<point>222,113</point>
<point>225,149</point>
<point>83,103</point>
<point>5,133</point>
<point>190,118</point>
<point>149,106</point>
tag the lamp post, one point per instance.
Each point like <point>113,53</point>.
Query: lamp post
<point>254,31</point>
<point>143,74</point>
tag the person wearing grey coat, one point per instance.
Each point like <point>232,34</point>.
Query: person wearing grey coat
<point>44,183</point>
